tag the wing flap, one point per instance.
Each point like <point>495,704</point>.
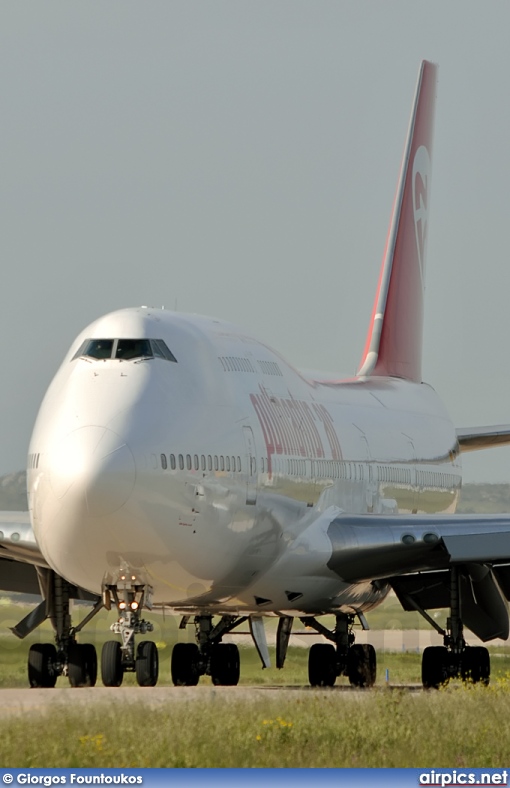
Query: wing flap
<point>484,611</point>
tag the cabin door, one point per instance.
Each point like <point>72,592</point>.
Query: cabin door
<point>251,466</point>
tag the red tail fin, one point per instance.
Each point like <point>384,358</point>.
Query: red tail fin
<point>394,342</point>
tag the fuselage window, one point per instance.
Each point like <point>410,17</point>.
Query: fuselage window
<point>163,462</point>
<point>188,461</point>
<point>215,462</point>
<point>196,462</point>
<point>222,463</point>
<point>202,459</point>
<point>227,462</point>
<point>181,462</point>
<point>238,463</point>
<point>172,462</point>
<point>209,462</point>
<point>234,464</point>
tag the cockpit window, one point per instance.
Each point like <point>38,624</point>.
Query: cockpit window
<point>124,349</point>
<point>160,349</point>
<point>133,348</point>
<point>97,348</point>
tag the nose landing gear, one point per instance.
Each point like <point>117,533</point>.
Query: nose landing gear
<point>130,597</point>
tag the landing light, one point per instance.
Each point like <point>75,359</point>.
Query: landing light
<point>122,605</point>
<point>134,605</point>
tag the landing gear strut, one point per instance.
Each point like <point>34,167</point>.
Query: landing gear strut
<point>130,597</point>
<point>48,661</point>
<point>208,656</point>
<point>326,662</point>
<point>455,659</point>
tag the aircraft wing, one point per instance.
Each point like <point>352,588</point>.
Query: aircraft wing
<point>19,554</point>
<point>474,438</point>
<point>17,540</point>
<point>371,546</point>
<point>414,552</point>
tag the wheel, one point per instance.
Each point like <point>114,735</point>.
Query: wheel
<point>185,672</point>
<point>372,665</point>
<point>322,665</point>
<point>147,664</point>
<point>362,665</point>
<point>41,665</point>
<point>476,665</point>
<point>225,664</point>
<point>82,665</point>
<point>91,663</point>
<point>434,667</point>
<point>112,671</point>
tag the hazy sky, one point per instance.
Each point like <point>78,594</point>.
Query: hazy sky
<point>239,159</point>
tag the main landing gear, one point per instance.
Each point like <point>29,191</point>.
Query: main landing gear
<point>48,661</point>
<point>208,656</point>
<point>455,659</point>
<point>130,597</point>
<point>345,658</point>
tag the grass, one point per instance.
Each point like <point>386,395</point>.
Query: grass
<point>457,727</point>
<point>460,726</point>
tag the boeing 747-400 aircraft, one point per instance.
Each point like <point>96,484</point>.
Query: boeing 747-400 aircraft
<point>179,462</point>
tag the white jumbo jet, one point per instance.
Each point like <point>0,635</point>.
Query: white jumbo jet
<point>179,462</point>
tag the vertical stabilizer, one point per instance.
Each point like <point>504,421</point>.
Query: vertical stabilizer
<point>394,342</point>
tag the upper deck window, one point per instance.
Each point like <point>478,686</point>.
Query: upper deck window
<point>124,349</point>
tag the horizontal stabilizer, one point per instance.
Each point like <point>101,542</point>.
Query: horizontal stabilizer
<point>476,438</point>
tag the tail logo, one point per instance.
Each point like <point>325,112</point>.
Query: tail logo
<point>421,181</point>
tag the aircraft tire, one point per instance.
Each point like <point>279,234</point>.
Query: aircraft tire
<point>82,665</point>
<point>434,667</point>
<point>147,664</point>
<point>225,665</point>
<point>41,659</point>
<point>91,663</point>
<point>184,666</point>
<point>112,671</point>
<point>476,665</point>
<point>322,665</point>
<point>362,665</point>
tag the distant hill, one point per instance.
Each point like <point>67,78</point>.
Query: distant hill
<point>484,498</point>
<point>13,492</point>
<point>474,498</point>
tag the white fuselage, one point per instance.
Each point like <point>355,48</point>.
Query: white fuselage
<point>198,475</point>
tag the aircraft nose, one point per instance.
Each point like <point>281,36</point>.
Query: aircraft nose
<point>96,467</point>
